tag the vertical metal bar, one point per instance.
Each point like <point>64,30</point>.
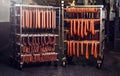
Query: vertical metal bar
<point>100,35</point>
<point>63,28</point>
<point>59,26</point>
<point>20,29</point>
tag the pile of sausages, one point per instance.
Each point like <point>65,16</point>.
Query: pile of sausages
<point>38,44</point>
<point>38,18</point>
<point>81,27</point>
<point>80,48</point>
<point>45,57</point>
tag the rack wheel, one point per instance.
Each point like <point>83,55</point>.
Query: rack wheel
<point>99,62</point>
<point>21,66</point>
<point>64,63</point>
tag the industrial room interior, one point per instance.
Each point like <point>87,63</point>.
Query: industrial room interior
<point>61,60</point>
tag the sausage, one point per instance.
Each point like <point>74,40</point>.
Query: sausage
<point>23,17</point>
<point>78,29</point>
<point>50,25</point>
<point>34,19</point>
<point>71,48</point>
<point>78,54</point>
<point>37,45</point>
<point>45,40</point>
<point>82,48</point>
<point>24,45</point>
<point>92,27</point>
<point>33,45</point>
<point>30,45</point>
<point>96,51</point>
<point>87,54</point>
<point>54,19</point>
<point>27,18</point>
<point>87,25</point>
<point>71,27</point>
<point>38,19</point>
<point>86,33</point>
<point>82,29</point>
<point>44,19</point>
<point>85,28</point>
<point>30,20</point>
<point>47,19</point>
<point>68,47</point>
<point>92,48</point>
<point>74,27</point>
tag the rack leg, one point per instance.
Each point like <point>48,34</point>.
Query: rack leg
<point>99,62</point>
<point>64,62</point>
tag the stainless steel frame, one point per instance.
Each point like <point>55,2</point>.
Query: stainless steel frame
<point>21,34</point>
<point>102,30</point>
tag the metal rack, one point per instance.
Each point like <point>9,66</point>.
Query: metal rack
<point>76,16</point>
<point>34,28</point>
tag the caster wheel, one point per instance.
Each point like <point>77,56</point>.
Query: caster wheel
<point>21,66</point>
<point>99,65</point>
<point>64,63</point>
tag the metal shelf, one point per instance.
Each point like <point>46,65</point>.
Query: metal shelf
<point>36,35</point>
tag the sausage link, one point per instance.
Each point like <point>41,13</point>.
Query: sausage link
<point>23,18</point>
<point>78,54</point>
<point>54,19</point>
<point>73,49</point>
<point>96,51</point>
<point>92,48</point>
<point>78,31</point>
<point>38,19</point>
<point>30,25</point>
<point>87,54</point>
<point>71,27</point>
<point>82,28</point>
<point>74,27</point>
<point>50,25</point>
<point>43,19</point>
<point>27,18</point>
<point>68,47</point>
<point>82,48</point>
<point>47,19</point>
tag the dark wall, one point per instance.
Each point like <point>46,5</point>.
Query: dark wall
<point>4,40</point>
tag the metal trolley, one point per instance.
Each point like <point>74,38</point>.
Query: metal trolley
<point>35,32</point>
<point>83,33</point>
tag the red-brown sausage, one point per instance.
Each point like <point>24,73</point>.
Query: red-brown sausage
<point>71,27</point>
<point>87,54</point>
<point>82,29</point>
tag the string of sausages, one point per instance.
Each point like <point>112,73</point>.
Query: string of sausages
<point>38,18</point>
<point>79,48</point>
<point>82,10</point>
<point>81,27</point>
<point>44,57</point>
<point>41,44</point>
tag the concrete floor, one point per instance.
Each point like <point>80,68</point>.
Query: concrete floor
<point>111,67</point>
